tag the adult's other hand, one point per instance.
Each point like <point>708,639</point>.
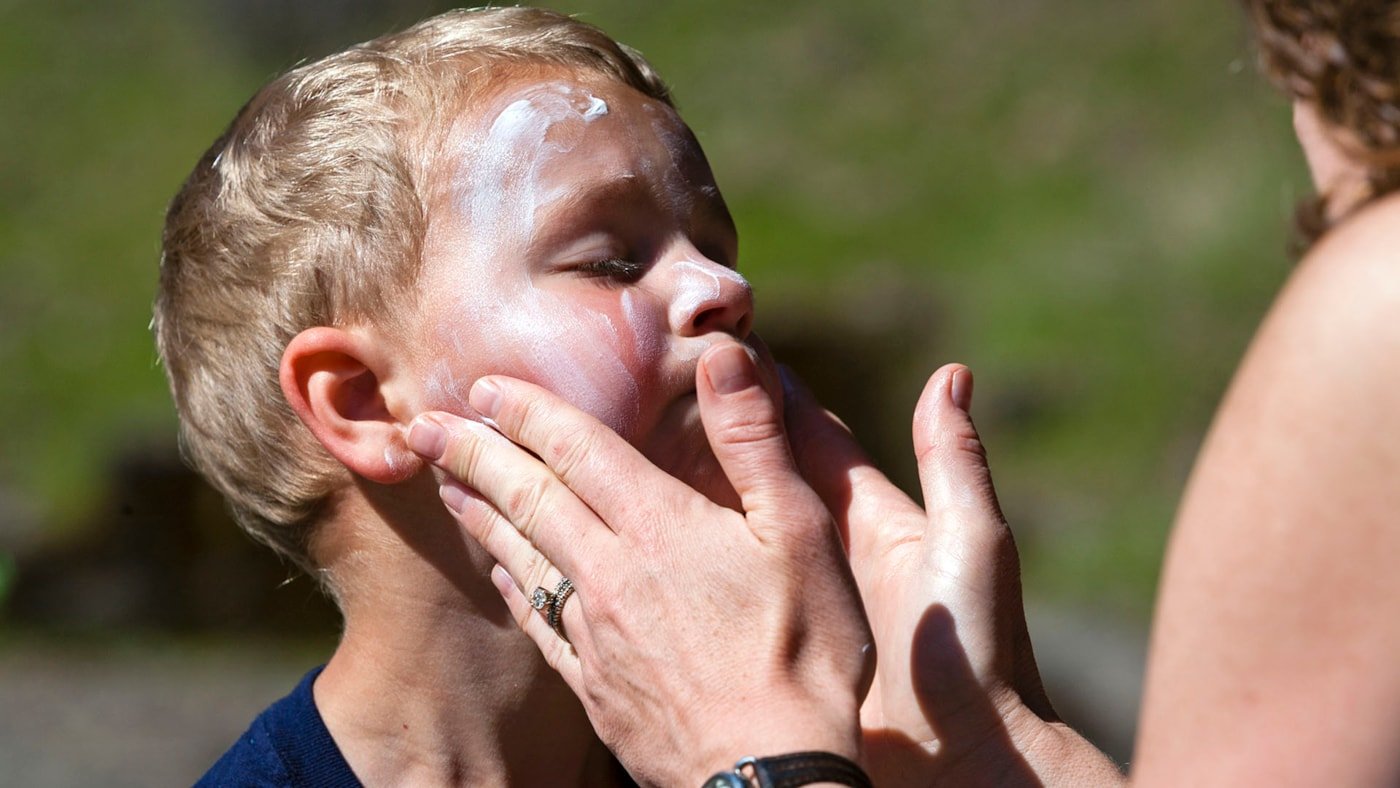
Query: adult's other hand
<point>699,634</point>
<point>957,695</point>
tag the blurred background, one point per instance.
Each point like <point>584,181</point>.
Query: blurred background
<point>1085,201</point>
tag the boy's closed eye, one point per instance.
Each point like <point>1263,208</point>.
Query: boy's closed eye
<point>614,269</point>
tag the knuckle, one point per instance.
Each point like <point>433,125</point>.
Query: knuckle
<point>489,532</point>
<point>464,453</point>
<point>554,653</point>
<point>526,501</point>
<point>749,430</point>
<point>520,415</point>
<point>962,442</point>
<point>534,568</point>
<point>969,445</point>
<point>602,610</point>
<point>567,448</point>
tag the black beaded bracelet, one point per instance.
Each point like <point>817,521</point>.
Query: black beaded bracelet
<point>791,771</point>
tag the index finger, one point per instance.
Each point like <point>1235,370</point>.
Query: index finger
<point>602,469</point>
<point>513,486</point>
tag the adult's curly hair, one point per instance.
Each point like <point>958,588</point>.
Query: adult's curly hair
<point>1344,56</point>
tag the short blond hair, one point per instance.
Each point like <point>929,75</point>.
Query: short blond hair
<point>310,211</point>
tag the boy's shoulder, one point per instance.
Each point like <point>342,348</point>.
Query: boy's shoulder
<point>287,745</point>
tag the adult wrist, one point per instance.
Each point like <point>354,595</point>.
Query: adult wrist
<point>792,770</point>
<point>775,728</point>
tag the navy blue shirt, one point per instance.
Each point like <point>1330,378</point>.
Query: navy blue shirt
<point>287,745</point>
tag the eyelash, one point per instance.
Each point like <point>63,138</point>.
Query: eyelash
<point>614,268</point>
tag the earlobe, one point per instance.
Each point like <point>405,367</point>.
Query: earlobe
<point>334,381</point>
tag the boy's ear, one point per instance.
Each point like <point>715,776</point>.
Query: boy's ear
<point>332,379</point>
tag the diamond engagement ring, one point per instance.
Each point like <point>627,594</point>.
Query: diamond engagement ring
<point>550,604</point>
<point>541,600</point>
<point>561,594</point>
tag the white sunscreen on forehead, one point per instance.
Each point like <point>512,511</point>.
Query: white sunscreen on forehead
<point>503,190</point>
<point>597,108</point>
<point>571,352</point>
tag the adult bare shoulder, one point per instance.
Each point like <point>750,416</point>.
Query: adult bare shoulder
<point>1279,618</point>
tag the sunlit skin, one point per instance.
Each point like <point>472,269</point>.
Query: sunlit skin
<point>1274,644</point>
<point>577,240</point>
<point>1273,658</point>
<point>583,246</point>
<point>1335,173</point>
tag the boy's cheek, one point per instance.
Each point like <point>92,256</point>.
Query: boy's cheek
<point>600,352</point>
<point>444,389</point>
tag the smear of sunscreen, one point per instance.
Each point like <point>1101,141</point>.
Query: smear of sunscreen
<point>597,108</point>
<point>701,284</point>
<point>573,353</point>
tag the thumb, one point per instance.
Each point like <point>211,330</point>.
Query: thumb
<point>745,428</point>
<point>958,492</point>
<point>953,468</point>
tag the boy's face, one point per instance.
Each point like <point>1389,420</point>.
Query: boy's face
<point>577,240</point>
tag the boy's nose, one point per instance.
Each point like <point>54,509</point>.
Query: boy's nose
<point>710,297</point>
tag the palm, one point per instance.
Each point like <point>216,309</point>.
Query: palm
<point>942,593</point>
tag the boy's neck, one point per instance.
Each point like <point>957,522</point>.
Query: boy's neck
<point>433,683</point>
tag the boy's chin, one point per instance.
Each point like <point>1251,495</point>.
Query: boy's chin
<point>681,449</point>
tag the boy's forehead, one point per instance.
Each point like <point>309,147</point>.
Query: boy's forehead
<point>558,105</point>
<point>508,131</point>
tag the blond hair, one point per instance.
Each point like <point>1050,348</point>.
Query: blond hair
<point>310,211</point>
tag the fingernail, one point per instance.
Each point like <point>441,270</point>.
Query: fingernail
<point>427,438</point>
<point>502,580</point>
<point>453,495</point>
<point>730,370</point>
<point>962,390</point>
<point>485,396</point>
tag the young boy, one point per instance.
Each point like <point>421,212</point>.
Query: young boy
<point>497,191</point>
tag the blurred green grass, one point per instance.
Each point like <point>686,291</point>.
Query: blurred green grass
<point>1087,202</point>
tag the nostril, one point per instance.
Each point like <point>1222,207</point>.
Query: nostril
<point>711,298</point>
<point>729,319</point>
<point>745,323</point>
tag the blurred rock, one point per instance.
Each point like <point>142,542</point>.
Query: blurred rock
<point>19,525</point>
<point>161,552</point>
<point>864,344</point>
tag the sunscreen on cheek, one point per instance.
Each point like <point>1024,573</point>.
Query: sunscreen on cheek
<point>445,391</point>
<point>646,341</point>
<point>578,356</point>
<point>603,351</point>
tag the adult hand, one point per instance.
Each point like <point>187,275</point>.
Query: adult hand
<point>699,634</point>
<point>957,695</point>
